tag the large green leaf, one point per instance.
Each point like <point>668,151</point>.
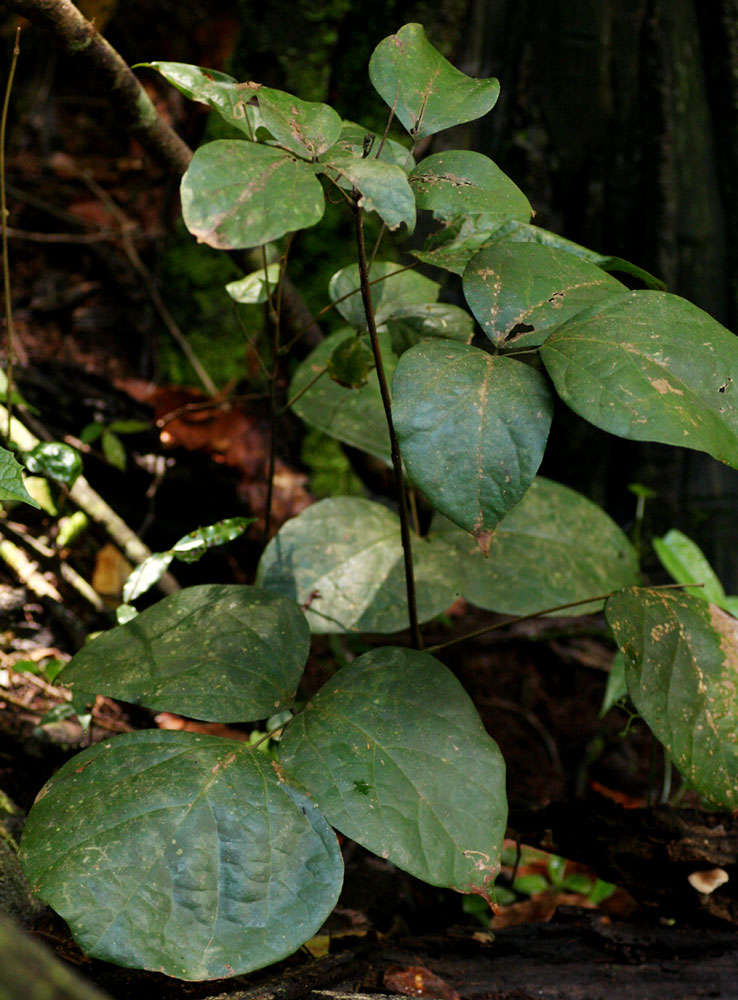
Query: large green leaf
<point>306,128</point>
<point>462,182</point>
<point>652,367</point>
<point>383,187</point>
<point>182,854</point>
<point>472,429</point>
<point>392,288</point>
<point>226,653</point>
<point>554,547</point>
<point>427,93</point>
<point>520,292</point>
<point>682,659</point>
<point>219,91</point>
<point>239,194</point>
<point>410,324</point>
<point>354,416</point>
<point>395,755</point>
<point>11,480</point>
<point>341,560</point>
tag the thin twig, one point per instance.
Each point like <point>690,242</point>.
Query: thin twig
<point>308,385</point>
<point>4,226</point>
<point>99,236</point>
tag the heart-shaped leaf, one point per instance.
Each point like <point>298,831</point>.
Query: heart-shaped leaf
<point>183,854</point>
<point>395,755</point>
<point>306,128</point>
<point>11,480</point>
<point>240,194</point>
<point>472,429</point>
<point>682,658</point>
<point>425,91</point>
<point>652,367</point>
<point>410,324</point>
<point>462,182</point>
<point>383,186</point>
<point>341,561</point>
<point>520,292</point>
<point>536,556</point>
<point>392,287</point>
<point>216,652</point>
<point>354,416</point>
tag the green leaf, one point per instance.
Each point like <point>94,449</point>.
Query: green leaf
<point>351,362</point>
<point>182,854</point>
<point>427,93</point>
<point>355,139</point>
<point>520,292</point>
<point>219,91</point>
<point>530,885</point>
<point>215,652</point>
<point>113,449</point>
<point>682,658</point>
<point>11,480</point>
<point>453,246</point>
<point>685,561</point>
<point>617,687</point>
<point>383,186</point>
<point>392,288</point>
<point>56,460</point>
<point>239,194</point>
<point>145,575</point>
<point>194,545</point>
<point>341,561</point>
<point>730,604</point>
<point>554,547</point>
<point>462,182</point>
<point>395,755</point>
<point>306,128</point>
<point>472,429</point>
<point>254,288</point>
<point>91,432</point>
<point>577,882</point>
<point>410,324</point>
<point>652,367</point>
<point>129,426</point>
<point>354,416</point>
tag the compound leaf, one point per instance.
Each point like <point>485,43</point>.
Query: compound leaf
<point>225,653</point>
<point>462,182</point>
<point>395,755</point>
<point>427,93</point>
<point>682,659</point>
<point>181,853</point>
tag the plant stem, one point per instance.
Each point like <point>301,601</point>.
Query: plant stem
<point>366,297</point>
<point>4,213</point>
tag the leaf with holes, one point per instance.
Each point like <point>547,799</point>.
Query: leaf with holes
<point>383,187</point>
<point>652,367</point>
<point>395,755</point>
<point>536,556</point>
<point>341,560</point>
<point>306,128</point>
<point>225,653</point>
<point>472,430</point>
<point>392,287</point>
<point>427,93</point>
<point>239,194</point>
<point>682,662</point>
<point>183,854</point>
<point>462,182</point>
<point>520,292</point>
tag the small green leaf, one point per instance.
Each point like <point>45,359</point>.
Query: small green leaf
<point>125,613</point>
<point>91,432</point>
<point>239,194</point>
<point>207,865</point>
<point>383,187</point>
<point>410,324</point>
<point>392,288</point>
<point>682,658</point>
<point>427,93</point>
<point>341,560</point>
<point>600,892</point>
<point>355,139</point>
<point>520,292</point>
<point>536,557</point>
<point>556,869</point>
<point>472,429</point>
<point>220,653</point>
<point>255,287</point>
<point>351,362</point>
<point>530,885</point>
<point>306,128</point>
<point>56,460</point>
<point>431,782</point>
<point>11,480</point>
<point>70,528</point>
<point>145,575</point>
<point>685,561</point>
<point>113,449</point>
<point>462,182</point>
<point>194,545</point>
<point>577,882</point>
<point>651,367</point>
<point>616,688</point>
<point>129,426</point>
